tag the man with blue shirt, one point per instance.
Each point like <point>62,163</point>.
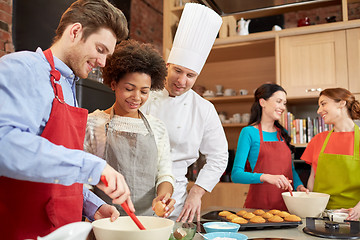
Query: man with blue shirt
<point>42,165</point>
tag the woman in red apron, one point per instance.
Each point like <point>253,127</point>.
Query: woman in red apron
<point>264,146</point>
<point>334,155</point>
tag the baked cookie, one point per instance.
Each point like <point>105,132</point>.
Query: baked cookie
<point>259,212</point>
<point>239,220</point>
<point>224,213</point>
<point>241,213</point>
<point>292,218</point>
<point>283,214</point>
<point>231,216</point>
<point>248,215</point>
<point>267,215</point>
<point>276,219</point>
<point>274,211</point>
<point>257,219</point>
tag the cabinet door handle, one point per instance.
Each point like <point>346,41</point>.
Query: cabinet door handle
<point>313,90</point>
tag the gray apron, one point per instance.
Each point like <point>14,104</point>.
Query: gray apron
<point>135,157</point>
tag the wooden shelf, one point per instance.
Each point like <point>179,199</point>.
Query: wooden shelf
<point>226,99</point>
<point>177,11</point>
<point>310,100</point>
<point>234,125</point>
<point>258,38</point>
<point>281,9</point>
<point>256,13</point>
<point>298,161</point>
<point>252,38</point>
<point>300,145</point>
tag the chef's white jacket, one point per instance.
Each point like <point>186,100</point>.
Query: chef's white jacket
<point>194,126</point>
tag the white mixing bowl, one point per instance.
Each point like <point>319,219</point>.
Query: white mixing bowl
<point>124,228</point>
<point>306,205</point>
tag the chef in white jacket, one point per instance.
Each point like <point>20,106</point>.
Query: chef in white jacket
<point>192,122</point>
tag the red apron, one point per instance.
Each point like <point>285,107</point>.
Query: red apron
<point>274,158</point>
<point>31,209</point>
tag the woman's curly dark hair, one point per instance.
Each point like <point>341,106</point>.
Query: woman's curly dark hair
<point>131,56</point>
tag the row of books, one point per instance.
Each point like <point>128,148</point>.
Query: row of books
<point>304,129</point>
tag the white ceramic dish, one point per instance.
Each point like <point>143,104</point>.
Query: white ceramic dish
<point>337,215</point>
<point>306,205</point>
<point>124,228</point>
<point>71,231</point>
<point>221,227</point>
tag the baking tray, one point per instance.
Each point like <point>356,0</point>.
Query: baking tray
<point>214,216</point>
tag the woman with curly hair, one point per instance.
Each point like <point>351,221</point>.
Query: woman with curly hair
<point>135,144</point>
<point>334,155</point>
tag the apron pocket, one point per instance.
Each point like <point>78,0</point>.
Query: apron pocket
<point>62,210</point>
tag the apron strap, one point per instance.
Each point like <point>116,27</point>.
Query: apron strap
<point>280,138</point>
<point>326,141</point>
<point>356,142</point>
<point>278,134</point>
<point>261,134</point>
<point>147,124</point>
<point>54,75</point>
<point>112,113</point>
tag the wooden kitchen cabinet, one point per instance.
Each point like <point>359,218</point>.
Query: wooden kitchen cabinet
<point>232,105</point>
<point>353,51</point>
<point>312,62</point>
<point>238,67</point>
<point>224,195</point>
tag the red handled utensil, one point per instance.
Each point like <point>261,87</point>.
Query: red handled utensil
<point>291,194</point>
<point>290,191</point>
<point>125,206</point>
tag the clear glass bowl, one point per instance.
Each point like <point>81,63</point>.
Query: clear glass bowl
<point>189,228</point>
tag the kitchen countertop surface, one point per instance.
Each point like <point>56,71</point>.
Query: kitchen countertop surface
<point>289,233</point>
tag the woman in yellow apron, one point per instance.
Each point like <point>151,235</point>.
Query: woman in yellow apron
<point>334,155</point>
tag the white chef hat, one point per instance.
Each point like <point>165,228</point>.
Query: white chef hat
<point>195,36</point>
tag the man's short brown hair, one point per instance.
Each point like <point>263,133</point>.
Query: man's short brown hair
<point>93,15</point>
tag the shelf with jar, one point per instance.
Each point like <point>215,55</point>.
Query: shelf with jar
<point>247,61</point>
<point>235,115</point>
<point>173,10</point>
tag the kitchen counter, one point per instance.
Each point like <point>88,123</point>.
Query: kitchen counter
<point>289,233</point>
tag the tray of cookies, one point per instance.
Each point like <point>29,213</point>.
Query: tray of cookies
<point>256,219</point>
